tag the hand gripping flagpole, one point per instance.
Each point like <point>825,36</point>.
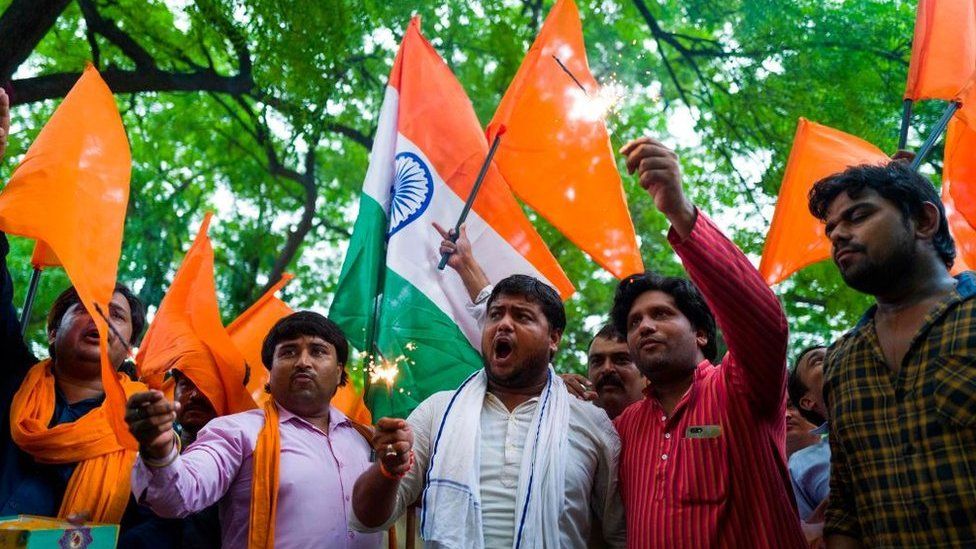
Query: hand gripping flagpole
<point>29,300</point>
<point>940,127</point>
<point>474,193</point>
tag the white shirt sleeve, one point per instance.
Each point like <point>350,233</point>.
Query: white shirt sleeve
<point>410,487</point>
<point>478,309</point>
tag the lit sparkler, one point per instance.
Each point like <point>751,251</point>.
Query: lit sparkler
<point>381,369</point>
<point>598,106</point>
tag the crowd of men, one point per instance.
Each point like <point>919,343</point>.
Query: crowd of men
<point>867,442</point>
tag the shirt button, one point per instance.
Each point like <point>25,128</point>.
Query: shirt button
<point>664,456</point>
<point>667,435</point>
<point>664,418</point>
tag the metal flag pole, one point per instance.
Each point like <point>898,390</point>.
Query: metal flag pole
<point>474,193</point>
<point>906,122</point>
<point>940,127</point>
<point>29,301</point>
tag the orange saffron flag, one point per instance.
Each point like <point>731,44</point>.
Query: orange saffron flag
<point>962,232</point>
<point>966,99</point>
<point>71,191</point>
<point>943,49</point>
<point>796,238</point>
<point>248,331</point>
<point>958,181</point>
<point>555,152</point>
<point>187,334</point>
<point>43,256</point>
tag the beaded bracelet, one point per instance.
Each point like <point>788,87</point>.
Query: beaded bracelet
<point>390,475</point>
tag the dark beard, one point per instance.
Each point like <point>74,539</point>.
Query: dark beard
<point>877,278</point>
<point>529,374</point>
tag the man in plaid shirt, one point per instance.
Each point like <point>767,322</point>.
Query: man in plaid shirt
<point>901,385</point>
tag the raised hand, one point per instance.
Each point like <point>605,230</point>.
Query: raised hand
<point>462,260</point>
<point>392,441</point>
<point>150,417</point>
<point>459,250</point>
<point>660,174</point>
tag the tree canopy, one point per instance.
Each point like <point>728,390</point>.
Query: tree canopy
<point>264,112</point>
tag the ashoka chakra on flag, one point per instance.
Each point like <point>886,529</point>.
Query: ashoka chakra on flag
<point>412,190</point>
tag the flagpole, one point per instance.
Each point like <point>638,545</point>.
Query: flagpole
<point>29,300</point>
<point>474,193</point>
<point>906,120</point>
<point>940,127</point>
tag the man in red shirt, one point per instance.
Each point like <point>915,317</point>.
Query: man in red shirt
<point>703,460</point>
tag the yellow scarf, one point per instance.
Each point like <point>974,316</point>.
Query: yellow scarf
<point>264,481</point>
<point>99,485</point>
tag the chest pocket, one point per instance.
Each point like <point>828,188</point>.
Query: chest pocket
<point>703,469</point>
<point>954,390</point>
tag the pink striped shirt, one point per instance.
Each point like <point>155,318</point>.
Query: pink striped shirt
<point>714,474</point>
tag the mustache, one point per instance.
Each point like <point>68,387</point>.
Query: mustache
<point>608,379</point>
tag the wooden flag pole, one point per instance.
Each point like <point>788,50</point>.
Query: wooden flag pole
<point>906,121</point>
<point>940,127</point>
<point>474,193</point>
<point>29,301</point>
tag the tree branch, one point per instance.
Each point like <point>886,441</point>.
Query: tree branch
<point>107,28</point>
<point>22,26</point>
<point>53,86</point>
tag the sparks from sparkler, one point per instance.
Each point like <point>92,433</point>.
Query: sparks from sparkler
<point>381,369</point>
<point>598,106</point>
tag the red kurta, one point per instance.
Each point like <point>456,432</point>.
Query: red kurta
<point>714,474</point>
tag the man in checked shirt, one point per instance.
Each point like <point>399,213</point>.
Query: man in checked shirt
<point>900,387</point>
<point>703,459</point>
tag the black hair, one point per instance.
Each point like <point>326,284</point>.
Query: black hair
<point>608,331</point>
<point>306,323</point>
<point>896,182</point>
<point>535,291</point>
<point>796,388</point>
<point>70,297</point>
<point>686,297</point>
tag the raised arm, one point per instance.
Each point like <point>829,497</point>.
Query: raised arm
<point>748,313</point>
<point>175,485</point>
<point>462,260</point>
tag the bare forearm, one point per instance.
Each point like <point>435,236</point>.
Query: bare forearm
<point>473,276</point>
<point>683,219</point>
<point>374,497</point>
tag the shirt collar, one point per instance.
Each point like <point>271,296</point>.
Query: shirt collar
<point>822,430</point>
<point>965,289</point>
<point>336,418</point>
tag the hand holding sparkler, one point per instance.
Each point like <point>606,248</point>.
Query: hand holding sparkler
<point>393,443</point>
<point>659,171</point>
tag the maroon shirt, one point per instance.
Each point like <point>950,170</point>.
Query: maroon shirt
<point>714,474</point>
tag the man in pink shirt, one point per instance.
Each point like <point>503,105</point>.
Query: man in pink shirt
<point>321,451</point>
<point>703,461</point>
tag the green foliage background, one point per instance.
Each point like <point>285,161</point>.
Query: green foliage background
<point>722,81</point>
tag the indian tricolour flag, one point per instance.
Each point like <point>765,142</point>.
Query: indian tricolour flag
<point>426,155</point>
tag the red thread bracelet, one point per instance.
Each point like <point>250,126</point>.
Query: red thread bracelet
<point>390,475</point>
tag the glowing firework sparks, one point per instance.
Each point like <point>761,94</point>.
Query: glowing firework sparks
<point>591,108</point>
<point>386,370</point>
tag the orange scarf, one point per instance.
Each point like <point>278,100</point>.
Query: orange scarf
<point>264,481</point>
<point>99,485</point>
